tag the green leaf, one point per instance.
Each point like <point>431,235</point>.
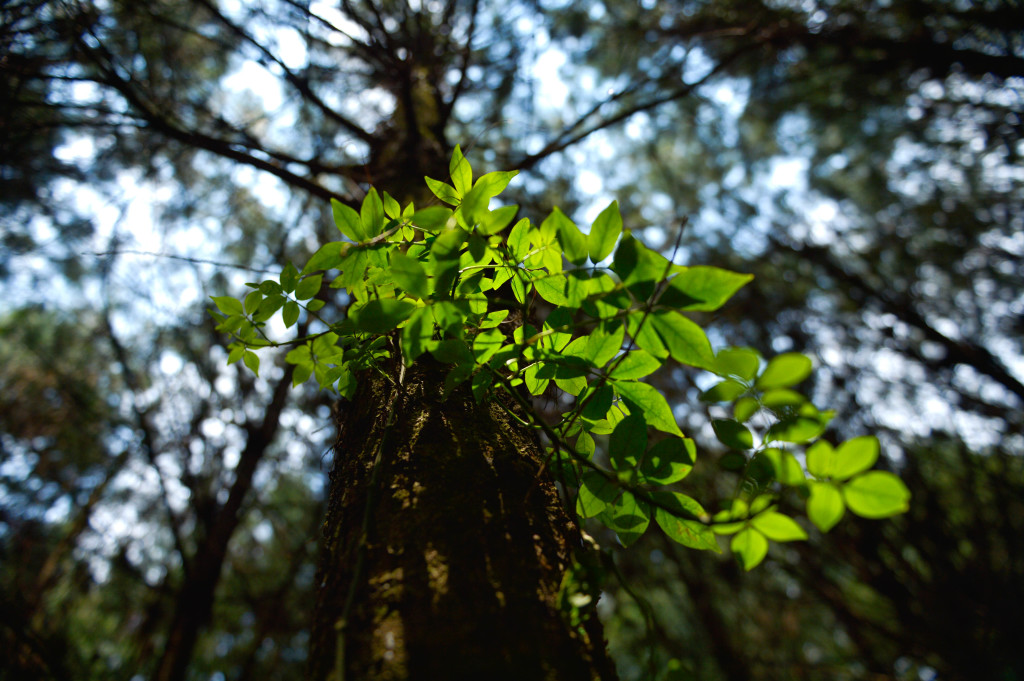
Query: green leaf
<point>452,351</point>
<point>535,385</point>
<point>308,287</point>
<point>726,391</point>
<point>450,316</point>
<point>301,374</point>
<point>635,364</point>
<point>668,461</point>
<point>635,263</point>
<point>750,548</point>
<point>493,184</point>
<point>289,278</point>
<point>410,274</point>
<point>380,315</point>
<point>744,408</point>
<point>603,345</point>
<point>519,240</point>
<point>732,434</point>
<point>347,221</point>
<point>497,220</point>
<point>740,362</point>
<point>290,313</point>
<point>585,445</point>
<point>821,459</point>
<point>703,288</point>
<point>448,244</point>
<point>474,205</point>
<point>328,257</point>
<point>797,429</point>
<point>461,172</point>
<point>787,468</point>
<point>639,326</point>
<point>652,403</point>
<point>372,214</point>
<point>825,506</point>
<point>299,355</point>
<point>487,343</point>
<point>627,442</point>
<point>252,361</point>
<point>778,527</point>
<point>878,494</point>
<point>627,517</point>
<point>671,511</point>
<point>855,456</point>
<point>391,207</point>
<point>268,307</point>
<point>782,398</point>
<point>346,385</point>
<point>252,301</point>
<point>686,342</point>
<point>417,333</point>
<point>604,233</point>
<point>597,406</point>
<point>570,238</point>
<point>596,492</point>
<point>552,289</point>
<point>443,191</point>
<point>270,287</point>
<point>237,350</point>
<point>432,219</point>
<point>784,371</point>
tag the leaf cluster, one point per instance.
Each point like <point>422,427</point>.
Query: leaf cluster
<point>434,280</point>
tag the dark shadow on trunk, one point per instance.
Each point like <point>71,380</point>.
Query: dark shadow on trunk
<point>466,542</point>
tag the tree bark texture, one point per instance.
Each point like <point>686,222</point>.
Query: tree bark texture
<point>445,544</point>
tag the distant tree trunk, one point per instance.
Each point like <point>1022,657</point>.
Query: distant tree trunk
<point>444,545</point>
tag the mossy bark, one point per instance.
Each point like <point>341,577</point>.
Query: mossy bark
<point>444,545</point>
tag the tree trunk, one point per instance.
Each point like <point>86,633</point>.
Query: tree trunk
<point>444,545</point>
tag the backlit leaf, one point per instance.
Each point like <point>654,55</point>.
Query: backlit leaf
<point>461,172</point>
<point>604,233</point>
<point>703,288</point>
<point>825,506</point>
<point>668,461</point>
<point>227,304</point>
<point>410,274</point>
<point>372,214</point>
<point>347,220</point>
<point>785,370</point>
<point>750,547</point>
<point>443,191</point>
<point>627,442</point>
<point>778,527</point>
<point>732,434</point>
<point>686,342</point>
<point>878,494</point>
<point>655,407</point>
<point>381,315</point>
<point>635,364</point>
<point>855,456</point>
<point>595,493</point>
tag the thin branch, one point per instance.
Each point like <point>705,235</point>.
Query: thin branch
<point>562,142</point>
<point>300,84</point>
<point>171,256</point>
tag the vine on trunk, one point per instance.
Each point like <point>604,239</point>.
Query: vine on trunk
<point>612,314</point>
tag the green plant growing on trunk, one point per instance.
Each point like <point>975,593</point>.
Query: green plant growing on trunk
<point>419,281</point>
<point>514,308</point>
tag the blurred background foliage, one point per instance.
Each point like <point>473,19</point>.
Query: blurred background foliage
<point>862,159</point>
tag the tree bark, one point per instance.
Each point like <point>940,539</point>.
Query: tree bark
<point>445,544</point>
